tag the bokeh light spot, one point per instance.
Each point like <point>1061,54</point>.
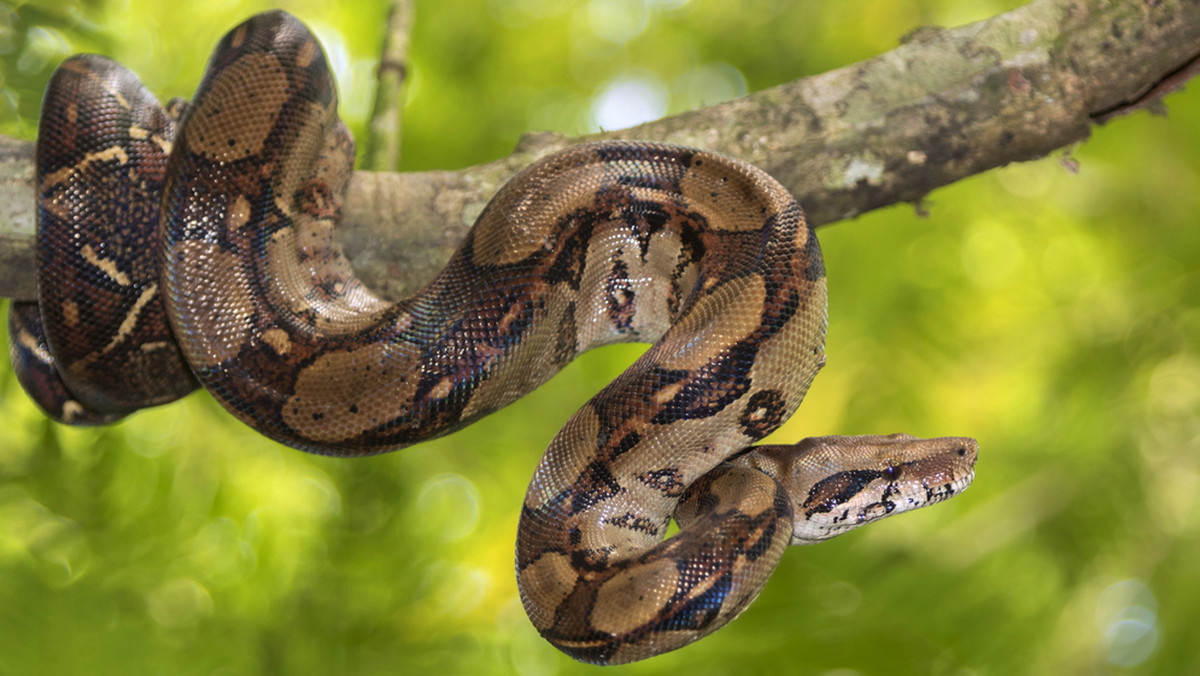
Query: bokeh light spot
<point>449,505</point>
<point>628,101</point>
<point>1126,615</point>
<point>709,84</point>
<point>617,20</point>
<point>179,603</point>
<point>991,254</point>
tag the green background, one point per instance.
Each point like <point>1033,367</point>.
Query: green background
<point>1052,314</point>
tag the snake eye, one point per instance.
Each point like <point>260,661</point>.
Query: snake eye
<point>891,472</point>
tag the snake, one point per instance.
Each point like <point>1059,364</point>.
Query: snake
<point>195,244</point>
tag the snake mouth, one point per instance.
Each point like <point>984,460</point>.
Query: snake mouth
<point>965,482</point>
<point>942,492</point>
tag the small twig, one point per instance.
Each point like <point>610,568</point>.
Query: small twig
<point>383,143</point>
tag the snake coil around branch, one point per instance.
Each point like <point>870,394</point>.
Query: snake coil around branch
<point>196,244</point>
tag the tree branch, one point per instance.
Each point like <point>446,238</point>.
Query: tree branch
<point>383,147</point>
<point>944,105</point>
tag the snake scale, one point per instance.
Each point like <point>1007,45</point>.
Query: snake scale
<point>195,243</point>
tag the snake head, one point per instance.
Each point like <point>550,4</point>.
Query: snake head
<point>839,483</point>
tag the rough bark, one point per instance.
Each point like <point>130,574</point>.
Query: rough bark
<point>944,105</point>
<point>17,219</point>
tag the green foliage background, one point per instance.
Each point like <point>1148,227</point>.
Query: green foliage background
<point>1053,315</point>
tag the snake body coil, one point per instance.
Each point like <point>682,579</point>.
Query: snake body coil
<point>706,257</point>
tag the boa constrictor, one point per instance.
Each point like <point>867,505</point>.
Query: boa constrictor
<point>704,256</point>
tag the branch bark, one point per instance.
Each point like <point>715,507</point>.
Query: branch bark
<point>944,105</point>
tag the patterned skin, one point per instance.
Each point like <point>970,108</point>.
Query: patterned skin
<point>705,257</point>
